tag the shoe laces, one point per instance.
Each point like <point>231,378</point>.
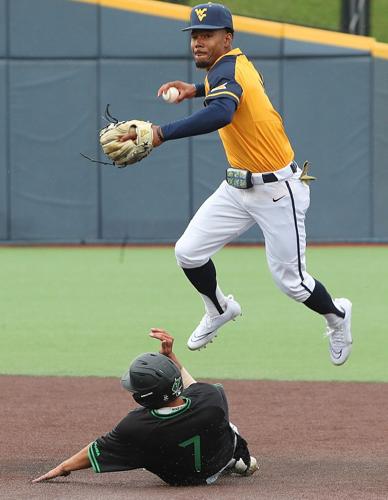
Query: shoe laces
<point>208,321</point>
<point>336,336</point>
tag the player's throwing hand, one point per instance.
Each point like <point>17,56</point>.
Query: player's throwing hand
<point>186,90</point>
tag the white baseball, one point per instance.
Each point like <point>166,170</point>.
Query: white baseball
<point>171,95</point>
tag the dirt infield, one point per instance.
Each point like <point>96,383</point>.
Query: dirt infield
<point>313,440</point>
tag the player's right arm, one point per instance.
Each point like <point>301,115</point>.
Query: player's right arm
<point>77,462</point>
<point>221,101</point>
<point>167,342</point>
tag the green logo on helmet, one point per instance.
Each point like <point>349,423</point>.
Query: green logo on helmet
<point>177,386</point>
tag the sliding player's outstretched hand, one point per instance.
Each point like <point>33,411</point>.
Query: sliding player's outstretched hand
<point>166,340</point>
<point>56,472</point>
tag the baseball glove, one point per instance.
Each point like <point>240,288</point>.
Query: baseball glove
<point>132,150</point>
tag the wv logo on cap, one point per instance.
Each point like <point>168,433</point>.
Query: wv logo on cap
<point>201,13</point>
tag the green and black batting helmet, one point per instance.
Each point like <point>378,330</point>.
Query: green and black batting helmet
<point>153,379</point>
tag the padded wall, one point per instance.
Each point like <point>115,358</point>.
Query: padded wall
<point>3,28</point>
<point>257,46</point>
<point>127,34</point>
<point>330,126</point>
<point>53,190</point>
<point>3,152</point>
<point>149,201</point>
<point>380,157</point>
<point>61,62</point>
<point>52,28</point>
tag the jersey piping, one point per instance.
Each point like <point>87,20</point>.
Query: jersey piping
<point>93,453</point>
<point>224,93</point>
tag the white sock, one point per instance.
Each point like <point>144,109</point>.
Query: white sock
<point>332,319</point>
<point>210,307</point>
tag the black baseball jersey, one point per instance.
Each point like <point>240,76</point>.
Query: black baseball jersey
<point>184,447</point>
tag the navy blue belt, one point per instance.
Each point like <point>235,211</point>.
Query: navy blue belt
<point>271,177</point>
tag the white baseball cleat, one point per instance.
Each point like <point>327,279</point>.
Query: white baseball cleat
<point>340,337</point>
<point>208,327</point>
<point>242,469</point>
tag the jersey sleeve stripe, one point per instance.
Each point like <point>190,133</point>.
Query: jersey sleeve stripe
<point>93,459</point>
<point>209,96</point>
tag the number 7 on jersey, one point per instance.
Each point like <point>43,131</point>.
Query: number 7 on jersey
<point>196,442</point>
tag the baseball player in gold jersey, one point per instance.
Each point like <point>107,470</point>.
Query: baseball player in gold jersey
<point>263,184</point>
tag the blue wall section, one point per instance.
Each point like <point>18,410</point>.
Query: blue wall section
<point>3,152</point>
<point>331,128</point>
<point>127,34</point>
<point>52,28</point>
<point>256,46</point>
<point>52,107</point>
<point>295,48</point>
<point>3,31</point>
<point>66,60</point>
<point>380,157</point>
<point>148,201</point>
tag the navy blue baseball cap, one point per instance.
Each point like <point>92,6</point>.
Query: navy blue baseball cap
<point>210,16</point>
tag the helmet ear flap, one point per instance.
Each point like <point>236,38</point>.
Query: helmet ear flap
<point>137,398</point>
<point>148,402</point>
<point>154,400</point>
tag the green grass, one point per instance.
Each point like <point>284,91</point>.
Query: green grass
<point>88,312</point>
<point>310,12</point>
<point>315,13</point>
<point>379,20</point>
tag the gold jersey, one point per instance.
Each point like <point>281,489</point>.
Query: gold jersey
<point>255,140</point>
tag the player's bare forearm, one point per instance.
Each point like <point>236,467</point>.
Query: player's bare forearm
<point>186,90</point>
<point>77,462</point>
<point>167,342</point>
<point>187,379</point>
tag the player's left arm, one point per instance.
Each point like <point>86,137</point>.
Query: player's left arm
<point>166,348</point>
<point>77,462</point>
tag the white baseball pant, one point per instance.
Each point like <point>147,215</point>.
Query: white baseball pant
<point>278,208</point>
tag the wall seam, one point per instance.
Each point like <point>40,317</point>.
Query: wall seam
<point>8,120</point>
<point>98,125</point>
<point>372,232</point>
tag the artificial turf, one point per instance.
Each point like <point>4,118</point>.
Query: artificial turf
<point>87,311</point>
